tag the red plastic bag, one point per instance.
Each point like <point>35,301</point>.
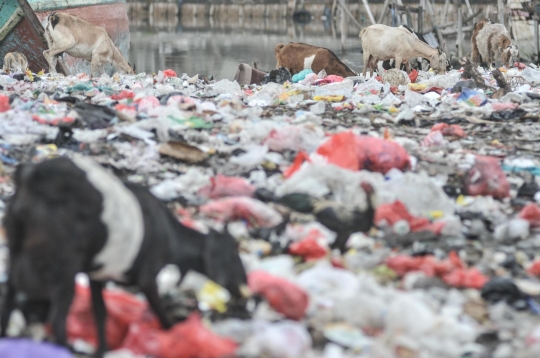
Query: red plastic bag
<point>122,95</point>
<point>413,76</point>
<point>452,270</point>
<point>222,186</point>
<point>534,269</point>
<point>487,178</point>
<point>301,157</point>
<point>122,310</point>
<point>531,213</point>
<point>284,296</point>
<point>363,152</point>
<point>169,73</point>
<point>448,130</point>
<point>379,155</point>
<point>189,339</point>
<point>4,103</point>
<point>340,150</point>
<point>392,213</point>
<point>465,278</point>
<point>309,249</point>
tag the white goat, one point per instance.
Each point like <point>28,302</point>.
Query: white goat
<point>78,38</point>
<point>381,43</point>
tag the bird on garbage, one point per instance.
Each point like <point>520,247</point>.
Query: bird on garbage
<point>342,219</point>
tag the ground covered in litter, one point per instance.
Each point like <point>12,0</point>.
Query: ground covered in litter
<point>449,267</point>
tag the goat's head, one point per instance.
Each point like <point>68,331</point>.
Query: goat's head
<point>438,61</point>
<point>510,56</point>
<point>132,69</point>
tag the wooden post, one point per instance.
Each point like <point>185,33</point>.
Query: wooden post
<point>385,8</point>
<point>445,11</point>
<point>38,29</point>
<point>469,7</point>
<point>370,15</point>
<point>536,46</point>
<point>420,19</point>
<point>346,10</point>
<point>343,26</point>
<point>435,27</point>
<point>459,28</point>
<point>500,11</point>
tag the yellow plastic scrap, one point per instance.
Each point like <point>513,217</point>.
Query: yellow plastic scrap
<point>417,86</point>
<point>331,98</point>
<point>41,73</point>
<point>436,214</point>
<point>393,110</point>
<point>460,200</point>
<point>29,75</point>
<point>214,296</point>
<point>503,69</point>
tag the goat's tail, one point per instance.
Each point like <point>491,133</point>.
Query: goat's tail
<point>278,48</point>
<point>362,32</point>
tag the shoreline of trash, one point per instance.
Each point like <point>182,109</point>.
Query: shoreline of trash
<point>448,269</point>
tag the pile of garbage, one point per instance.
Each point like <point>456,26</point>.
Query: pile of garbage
<point>394,216</point>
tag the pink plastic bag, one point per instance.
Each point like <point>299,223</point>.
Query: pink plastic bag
<point>487,178</point>
<point>449,130</point>
<point>222,186</point>
<point>253,211</point>
<point>4,103</point>
<point>531,213</point>
<point>284,296</point>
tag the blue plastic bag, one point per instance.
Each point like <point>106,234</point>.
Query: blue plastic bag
<point>25,348</point>
<point>301,75</point>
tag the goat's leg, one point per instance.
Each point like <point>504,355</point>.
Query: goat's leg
<point>62,296</point>
<point>150,290</point>
<point>7,308</point>
<point>397,62</point>
<point>366,62</point>
<point>100,315</point>
<point>408,66</point>
<point>50,55</point>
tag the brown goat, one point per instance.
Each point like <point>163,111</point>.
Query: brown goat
<point>296,56</point>
<point>476,58</point>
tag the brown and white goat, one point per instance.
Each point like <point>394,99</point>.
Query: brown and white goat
<point>296,56</point>
<point>381,43</point>
<point>79,38</point>
<point>15,62</point>
<point>492,42</point>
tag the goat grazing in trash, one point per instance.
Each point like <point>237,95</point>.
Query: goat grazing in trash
<point>71,215</point>
<point>15,62</point>
<point>78,38</point>
<point>296,56</point>
<point>491,42</point>
<point>381,43</point>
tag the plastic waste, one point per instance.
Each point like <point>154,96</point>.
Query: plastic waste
<point>184,340</point>
<point>26,348</point>
<point>301,75</point>
<point>222,186</point>
<point>487,178</point>
<point>284,296</point>
<point>472,98</point>
<point>287,339</point>
<point>4,103</point>
<point>255,213</point>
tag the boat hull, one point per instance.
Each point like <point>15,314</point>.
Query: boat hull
<point>111,16</point>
